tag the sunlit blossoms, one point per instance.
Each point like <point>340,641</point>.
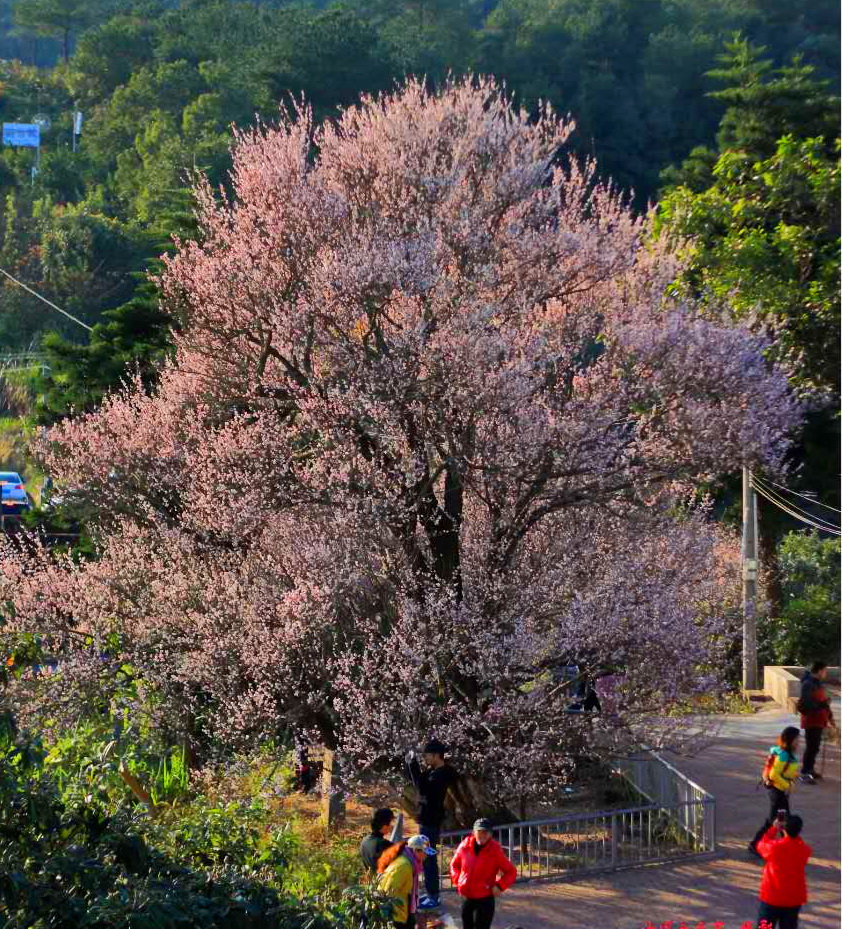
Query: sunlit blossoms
<point>430,402</point>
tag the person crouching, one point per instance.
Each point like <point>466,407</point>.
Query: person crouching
<point>480,872</point>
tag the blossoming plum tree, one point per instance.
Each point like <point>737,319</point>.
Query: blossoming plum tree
<point>430,403</point>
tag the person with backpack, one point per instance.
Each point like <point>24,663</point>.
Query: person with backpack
<point>779,773</point>
<point>400,867</point>
<point>783,887</point>
<point>816,716</point>
<point>480,872</point>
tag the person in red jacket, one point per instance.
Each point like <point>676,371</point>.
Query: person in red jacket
<point>815,717</point>
<point>783,887</point>
<point>480,872</point>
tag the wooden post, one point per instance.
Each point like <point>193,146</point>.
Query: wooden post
<point>333,798</point>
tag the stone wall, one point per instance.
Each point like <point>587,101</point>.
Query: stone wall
<point>783,684</point>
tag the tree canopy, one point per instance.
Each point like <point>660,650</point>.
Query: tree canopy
<point>431,387</point>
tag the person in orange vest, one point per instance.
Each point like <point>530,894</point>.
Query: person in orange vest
<point>783,887</point>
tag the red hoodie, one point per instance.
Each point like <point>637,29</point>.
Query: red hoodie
<point>783,882</point>
<point>475,875</point>
<point>817,715</point>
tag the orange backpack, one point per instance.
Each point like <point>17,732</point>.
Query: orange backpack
<point>766,776</point>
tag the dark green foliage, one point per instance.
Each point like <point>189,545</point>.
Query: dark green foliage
<point>73,858</point>
<point>633,73</point>
<point>331,59</point>
<point>807,626</point>
<point>130,342</point>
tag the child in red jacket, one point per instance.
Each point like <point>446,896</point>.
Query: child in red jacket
<point>480,872</point>
<point>783,888</point>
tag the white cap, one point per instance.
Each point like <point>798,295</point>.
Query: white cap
<point>421,843</point>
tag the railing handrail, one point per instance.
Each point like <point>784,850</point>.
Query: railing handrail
<point>679,774</point>
<point>578,817</point>
<point>14,356</point>
<point>676,818</point>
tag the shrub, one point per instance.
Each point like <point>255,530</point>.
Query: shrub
<point>70,859</point>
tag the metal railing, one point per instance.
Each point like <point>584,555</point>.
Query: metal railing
<point>675,821</point>
<point>666,787</point>
<point>15,361</point>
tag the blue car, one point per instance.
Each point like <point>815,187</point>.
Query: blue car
<point>14,497</point>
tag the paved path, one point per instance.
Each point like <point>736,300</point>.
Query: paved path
<point>722,889</point>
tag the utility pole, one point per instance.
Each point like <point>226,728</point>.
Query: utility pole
<point>749,564</point>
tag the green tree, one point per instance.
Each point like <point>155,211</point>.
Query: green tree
<point>131,341</point>
<point>57,18</point>
<point>807,626</point>
<point>765,103</point>
<point>330,58</point>
<point>107,55</point>
<point>763,226</point>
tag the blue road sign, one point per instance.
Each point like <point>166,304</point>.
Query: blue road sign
<point>23,135</point>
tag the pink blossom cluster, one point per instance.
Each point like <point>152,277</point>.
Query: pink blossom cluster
<point>431,409</point>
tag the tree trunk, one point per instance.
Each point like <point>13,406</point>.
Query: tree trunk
<point>443,533</point>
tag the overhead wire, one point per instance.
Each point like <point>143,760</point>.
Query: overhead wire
<point>803,496</point>
<point>792,510</point>
<point>49,303</point>
<point>759,482</point>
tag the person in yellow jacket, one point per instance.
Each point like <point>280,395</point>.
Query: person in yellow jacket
<point>399,868</point>
<point>779,774</point>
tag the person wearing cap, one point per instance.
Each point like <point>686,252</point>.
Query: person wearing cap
<point>400,867</point>
<point>480,872</point>
<point>376,842</point>
<point>432,783</point>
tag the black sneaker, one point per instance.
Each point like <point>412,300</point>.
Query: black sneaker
<point>808,779</point>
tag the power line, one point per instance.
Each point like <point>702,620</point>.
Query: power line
<point>800,515</point>
<point>48,302</point>
<point>803,496</point>
<point>793,506</point>
<point>793,509</point>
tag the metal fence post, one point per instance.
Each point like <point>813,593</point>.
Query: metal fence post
<point>614,840</point>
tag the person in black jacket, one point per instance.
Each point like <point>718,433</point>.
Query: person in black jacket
<point>432,783</point>
<point>375,843</point>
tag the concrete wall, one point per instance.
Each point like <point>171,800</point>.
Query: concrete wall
<point>783,684</point>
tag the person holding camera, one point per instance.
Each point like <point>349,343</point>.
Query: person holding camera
<point>783,887</point>
<point>432,783</point>
<point>779,773</point>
